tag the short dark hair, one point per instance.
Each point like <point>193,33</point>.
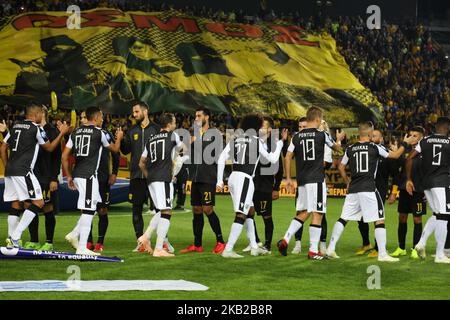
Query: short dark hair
<point>91,113</point>
<point>381,131</point>
<point>32,106</point>
<point>269,119</point>
<point>205,111</point>
<point>141,104</point>
<point>442,121</point>
<point>302,119</point>
<point>419,129</point>
<point>251,121</point>
<point>313,113</point>
<point>165,119</point>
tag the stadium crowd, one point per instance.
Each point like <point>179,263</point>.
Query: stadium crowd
<point>400,64</point>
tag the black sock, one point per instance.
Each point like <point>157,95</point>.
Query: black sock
<point>268,224</point>
<point>50,223</point>
<point>323,234</point>
<point>197,225</point>
<point>90,236</point>
<point>256,232</point>
<point>34,229</point>
<point>364,230</point>
<point>138,220</point>
<point>402,229</point>
<point>418,233</point>
<point>102,227</point>
<point>215,226</point>
<point>376,245</point>
<point>299,234</point>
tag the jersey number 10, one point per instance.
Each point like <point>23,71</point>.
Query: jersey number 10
<point>362,161</point>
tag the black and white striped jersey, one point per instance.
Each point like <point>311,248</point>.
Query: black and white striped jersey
<point>23,140</point>
<point>435,150</point>
<point>362,158</point>
<point>308,146</point>
<point>87,143</point>
<point>159,151</point>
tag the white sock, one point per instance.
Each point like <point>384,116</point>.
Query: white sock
<point>76,231</point>
<point>236,229</point>
<point>380,236</point>
<point>161,232</point>
<point>13,221</point>
<point>427,230</point>
<point>84,226</point>
<point>153,225</point>
<point>250,228</point>
<point>440,234</point>
<point>314,238</point>
<point>24,222</point>
<point>336,234</point>
<point>293,228</point>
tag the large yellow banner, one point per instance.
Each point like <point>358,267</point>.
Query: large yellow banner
<point>176,62</point>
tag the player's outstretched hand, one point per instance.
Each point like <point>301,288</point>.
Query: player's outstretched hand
<point>340,135</point>
<point>119,133</point>
<point>410,187</point>
<point>3,126</point>
<point>219,186</point>
<point>284,134</point>
<point>63,127</point>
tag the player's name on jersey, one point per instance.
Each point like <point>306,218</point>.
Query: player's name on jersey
<point>85,130</point>
<point>360,147</point>
<point>306,134</point>
<point>160,135</point>
<point>21,126</point>
<point>438,140</point>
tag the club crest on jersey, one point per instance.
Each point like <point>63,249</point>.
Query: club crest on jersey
<point>136,136</point>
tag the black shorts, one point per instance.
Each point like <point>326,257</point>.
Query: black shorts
<point>415,204</point>
<point>203,194</point>
<point>47,195</point>
<point>138,191</point>
<point>104,189</point>
<point>262,201</point>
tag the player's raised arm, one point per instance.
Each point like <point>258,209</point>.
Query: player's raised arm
<point>336,146</point>
<point>224,156</point>
<point>273,157</point>
<point>63,128</point>
<point>114,147</point>
<point>395,154</point>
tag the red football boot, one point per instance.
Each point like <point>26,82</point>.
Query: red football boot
<point>192,248</point>
<point>220,246</point>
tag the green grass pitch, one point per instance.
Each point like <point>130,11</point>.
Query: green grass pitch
<point>272,277</point>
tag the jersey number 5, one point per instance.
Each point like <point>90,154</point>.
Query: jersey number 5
<point>437,154</point>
